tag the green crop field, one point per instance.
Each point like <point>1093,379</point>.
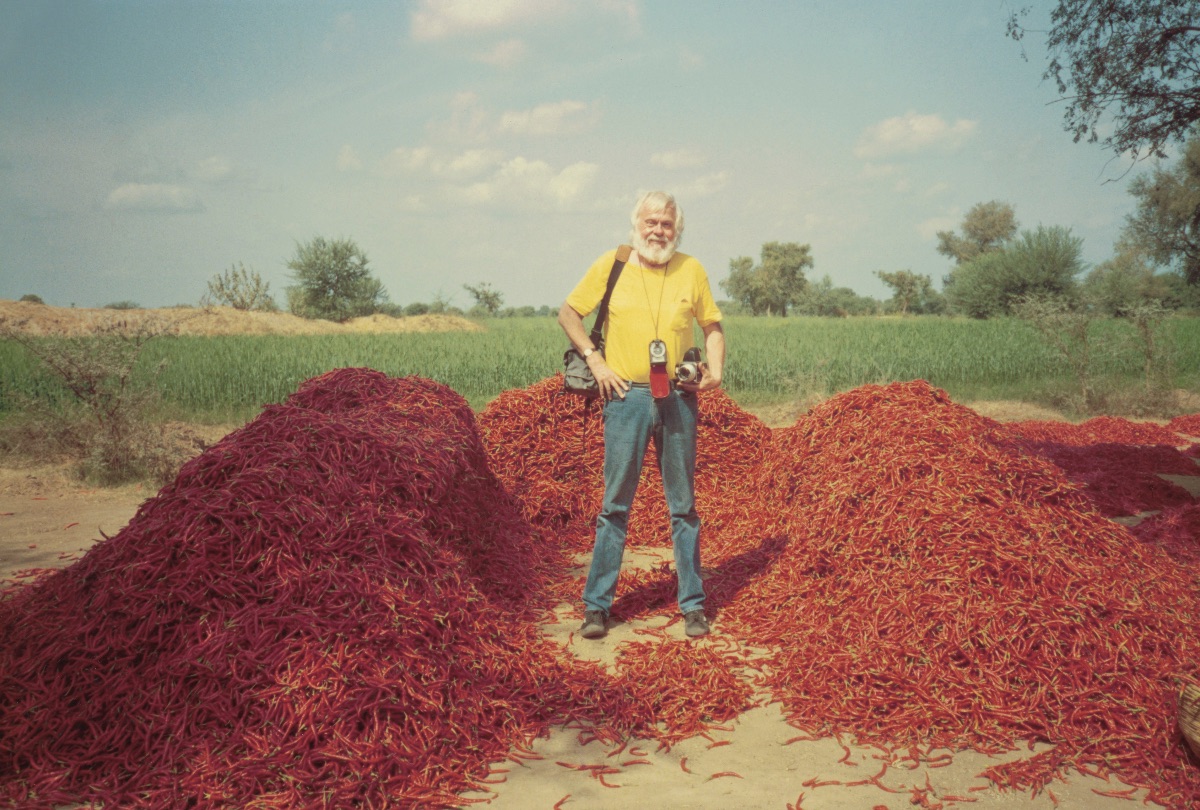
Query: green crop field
<point>771,360</point>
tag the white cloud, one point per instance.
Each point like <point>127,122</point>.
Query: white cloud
<point>707,185</point>
<point>930,227</point>
<point>678,159</point>
<point>405,159</point>
<point>423,160</point>
<point>630,10</point>
<point>875,171</point>
<point>572,181</point>
<point>347,159</point>
<point>153,197</point>
<point>521,180</point>
<point>469,164</point>
<point>345,27</point>
<point>468,120</point>
<point>910,133</point>
<point>690,60</point>
<point>412,203</point>
<point>504,54</point>
<point>556,118</point>
<point>441,19</point>
<point>213,169</point>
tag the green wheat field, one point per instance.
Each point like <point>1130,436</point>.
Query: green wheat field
<point>770,361</point>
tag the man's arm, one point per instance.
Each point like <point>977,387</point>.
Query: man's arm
<point>572,324</point>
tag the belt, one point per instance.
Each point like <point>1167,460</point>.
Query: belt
<point>683,392</point>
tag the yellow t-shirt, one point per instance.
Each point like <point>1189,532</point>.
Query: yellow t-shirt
<point>647,303</point>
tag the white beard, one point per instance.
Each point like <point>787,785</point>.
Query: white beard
<point>652,253</point>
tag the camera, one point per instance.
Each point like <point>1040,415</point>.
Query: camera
<point>690,370</point>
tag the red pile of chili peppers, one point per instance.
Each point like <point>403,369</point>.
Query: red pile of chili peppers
<point>924,576</point>
<point>333,607</point>
<point>338,605</point>
<point>942,586</point>
<point>1122,479</point>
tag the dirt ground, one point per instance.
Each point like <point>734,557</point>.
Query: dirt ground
<point>47,521</point>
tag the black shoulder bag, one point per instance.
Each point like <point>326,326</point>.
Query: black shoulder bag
<point>577,377</point>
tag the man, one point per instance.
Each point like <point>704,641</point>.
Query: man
<point>657,297</point>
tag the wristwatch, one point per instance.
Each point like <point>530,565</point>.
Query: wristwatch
<point>588,353</point>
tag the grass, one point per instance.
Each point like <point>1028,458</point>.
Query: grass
<point>228,379</point>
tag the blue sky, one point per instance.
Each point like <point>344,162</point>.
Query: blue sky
<point>147,146</point>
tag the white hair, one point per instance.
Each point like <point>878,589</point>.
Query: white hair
<point>654,202</point>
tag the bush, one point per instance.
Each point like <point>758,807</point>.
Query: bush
<point>1042,263</point>
<point>104,420</point>
<point>123,305</point>
<point>240,288</point>
<point>391,310</point>
<point>1123,283</point>
<point>30,298</point>
<point>1068,328</point>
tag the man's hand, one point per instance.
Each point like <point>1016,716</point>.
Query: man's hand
<point>610,384</point>
<point>708,381</point>
<point>714,347</point>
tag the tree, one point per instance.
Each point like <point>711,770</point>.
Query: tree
<point>486,298</point>
<point>745,286</point>
<point>987,226</point>
<point>775,284</point>
<point>1166,224</point>
<point>1043,263</point>
<point>240,288</point>
<point>822,299</point>
<point>1133,59</point>
<point>1124,283</point>
<point>332,281</point>
<point>910,291</point>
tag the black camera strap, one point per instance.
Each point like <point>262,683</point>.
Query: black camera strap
<point>623,253</point>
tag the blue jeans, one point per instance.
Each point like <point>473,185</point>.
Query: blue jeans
<point>629,426</point>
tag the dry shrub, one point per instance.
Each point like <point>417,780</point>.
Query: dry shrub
<point>102,421</point>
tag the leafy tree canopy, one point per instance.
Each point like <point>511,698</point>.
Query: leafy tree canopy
<point>775,284</point>
<point>486,298</point>
<point>911,292</point>
<point>1044,262</point>
<point>1132,59</point>
<point>332,281</point>
<point>1166,225</point>
<point>987,226</point>
<point>1121,284</point>
<point>821,298</point>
